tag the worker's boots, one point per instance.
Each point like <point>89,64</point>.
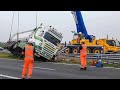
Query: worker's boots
<point>85,68</point>
<point>22,78</point>
<point>81,68</point>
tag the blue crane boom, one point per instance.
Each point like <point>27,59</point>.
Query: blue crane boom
<point>80,24</point>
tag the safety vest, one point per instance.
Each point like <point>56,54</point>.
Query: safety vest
<point>84,50</point>
<point>78,40</point>
<point>29,53</point>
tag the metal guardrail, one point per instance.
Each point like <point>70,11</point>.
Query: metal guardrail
<point>103,56</point>
<point>91,56</point>
<point>96,56</point>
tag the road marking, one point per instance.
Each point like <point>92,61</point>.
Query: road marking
<point>92,66</point>
<point>108,67</point>
<point>9,76</point>
<point>71,64</point>
<point>67,64</point>
<point>42,68</point>
<point>116,68</point>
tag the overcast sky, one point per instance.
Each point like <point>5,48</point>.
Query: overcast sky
<point>98,23</point>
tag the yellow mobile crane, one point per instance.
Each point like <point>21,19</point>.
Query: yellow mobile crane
<point>109,45</point>
<point>93,45</point>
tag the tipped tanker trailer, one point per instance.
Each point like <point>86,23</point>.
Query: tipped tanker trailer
<point>45,38</point>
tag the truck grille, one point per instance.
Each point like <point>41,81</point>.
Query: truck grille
<point>48,50</point>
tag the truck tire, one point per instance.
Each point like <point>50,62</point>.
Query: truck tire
<point>96,51</point>
<point>67,51</point>
<point>75,51</point>
<point>52,59</point>
<point>88,50</point>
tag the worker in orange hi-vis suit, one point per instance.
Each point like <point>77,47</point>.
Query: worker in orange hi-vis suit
<point>78,39</point>
<point>83,54</point>
<point>28,60</point>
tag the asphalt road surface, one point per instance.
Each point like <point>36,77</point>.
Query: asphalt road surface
<point>12,69</point>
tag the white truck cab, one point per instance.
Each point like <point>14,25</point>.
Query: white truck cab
<point>45,39</point>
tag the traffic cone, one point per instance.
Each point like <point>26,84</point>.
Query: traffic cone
<point>93,63</point>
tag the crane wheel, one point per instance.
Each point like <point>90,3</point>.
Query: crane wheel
<point>88,51</point>
<point>75,51</point>
<point>67,51</point>
<point>97,51</point>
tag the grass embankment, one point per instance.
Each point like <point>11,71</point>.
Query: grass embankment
<point>112,65</point>
<point>61,60</point>
<point>8,56</point>
<point>72,61</point>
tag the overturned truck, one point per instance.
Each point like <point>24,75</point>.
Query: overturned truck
<point>46,41</point>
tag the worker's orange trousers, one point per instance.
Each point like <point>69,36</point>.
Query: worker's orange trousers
<point>83,61</point>
<point>28,67</point>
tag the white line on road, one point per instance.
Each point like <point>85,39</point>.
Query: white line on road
<point>67,64</point>
<point>9,76</point>
<point>43,68</point>
<point>117,68</point>
<point>108,67</point>
<point>92,66</point>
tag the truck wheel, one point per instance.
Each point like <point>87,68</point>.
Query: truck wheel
<point>97,51</point>
<point>75,51</point>
<point>88,50</point>
<point>67,51</point>
<point>52,59</point>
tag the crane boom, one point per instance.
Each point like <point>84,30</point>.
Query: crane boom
<point>80,24</point>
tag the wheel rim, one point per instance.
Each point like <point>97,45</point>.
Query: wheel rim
<point>67,51</point>
<point>97,51</point>
<point>75,51</point>
<point>88,51</point>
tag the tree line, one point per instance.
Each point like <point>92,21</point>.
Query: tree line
<point>2,44</point>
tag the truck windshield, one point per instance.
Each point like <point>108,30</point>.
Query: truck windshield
<point>110,42</point>
<point>117,43</point>
<point>51,38</point>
